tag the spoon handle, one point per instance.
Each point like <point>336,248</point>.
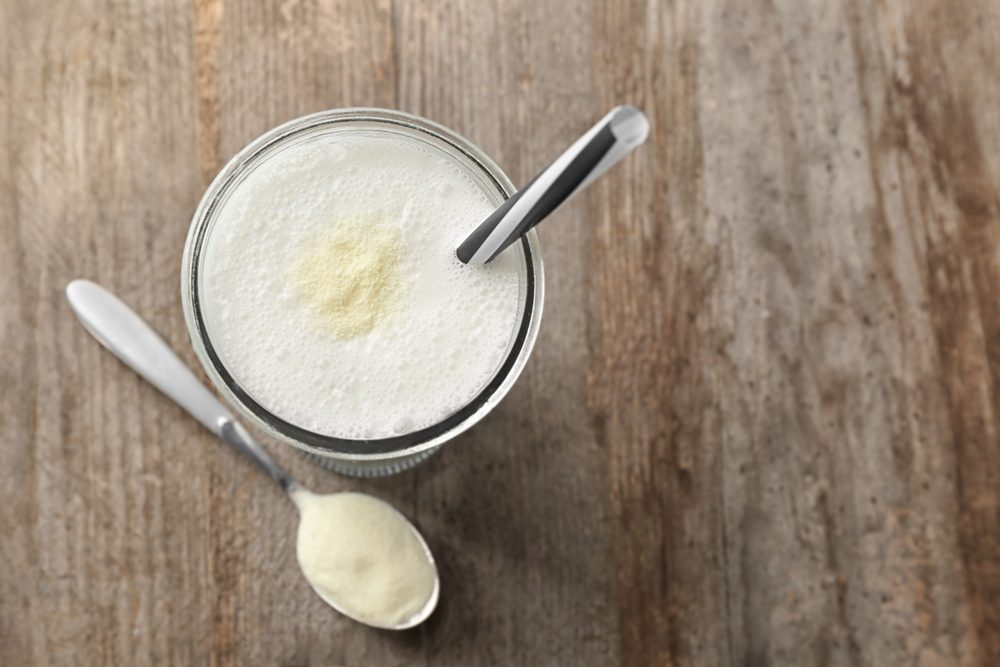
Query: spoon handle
<point>128,337</point>
<point>603,146</point>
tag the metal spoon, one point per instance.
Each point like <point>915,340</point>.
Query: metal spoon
<point>128,337</point>
<point>600,148</point>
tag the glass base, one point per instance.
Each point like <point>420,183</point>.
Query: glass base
<point>369,468</point>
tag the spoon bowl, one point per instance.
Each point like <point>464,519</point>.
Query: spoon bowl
<point>416,619</point>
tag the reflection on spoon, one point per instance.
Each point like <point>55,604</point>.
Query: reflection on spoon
<point>359,554</point>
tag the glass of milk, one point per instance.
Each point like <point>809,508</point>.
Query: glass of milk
<point>323,297</point>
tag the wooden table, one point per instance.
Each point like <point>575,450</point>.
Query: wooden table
<point>762,422</point>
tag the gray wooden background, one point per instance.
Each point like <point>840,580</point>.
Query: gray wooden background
<point>762,422</point>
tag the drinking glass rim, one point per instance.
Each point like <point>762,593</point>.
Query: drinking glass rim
<point>374,449</point>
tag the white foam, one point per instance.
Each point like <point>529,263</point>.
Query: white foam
<point>422,361</point>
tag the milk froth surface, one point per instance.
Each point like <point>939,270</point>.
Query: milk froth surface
<point>426,332</point>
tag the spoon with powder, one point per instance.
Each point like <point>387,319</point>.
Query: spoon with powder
<point>359,554</point>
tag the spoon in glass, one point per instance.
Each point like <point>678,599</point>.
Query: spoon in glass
<point>616,135</point>
<point>126,335</point>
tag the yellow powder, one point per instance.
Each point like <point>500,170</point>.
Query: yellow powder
<point>350,277</point>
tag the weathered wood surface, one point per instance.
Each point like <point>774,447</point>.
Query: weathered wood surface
<point>762,422</point>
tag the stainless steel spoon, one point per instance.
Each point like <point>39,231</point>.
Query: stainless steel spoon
<point>600,148</point>
<point>128,337</point>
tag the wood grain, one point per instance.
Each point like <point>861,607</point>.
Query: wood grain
<point>762,422</point>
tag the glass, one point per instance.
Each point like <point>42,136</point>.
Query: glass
<point>385,455</point>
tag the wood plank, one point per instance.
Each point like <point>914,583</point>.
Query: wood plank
<point>521,500</point>
<point>97,119</point>
<point>803,491</point>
